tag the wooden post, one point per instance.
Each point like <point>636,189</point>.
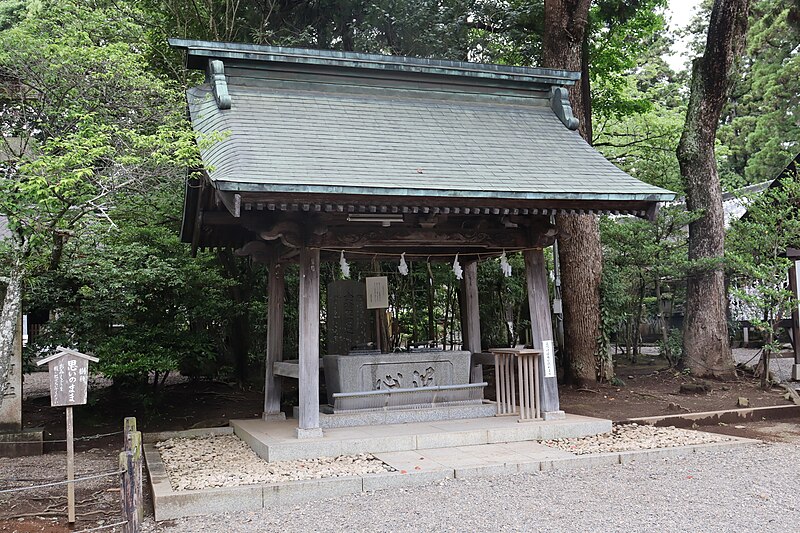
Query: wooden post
<point>272,383</point>
<point>472,320</point>
<point>70,468</point>
<point>133,443</point>
<point>308,371</point>
<point>794,285</point>
<point>130,463</point>
<point>542,331</point>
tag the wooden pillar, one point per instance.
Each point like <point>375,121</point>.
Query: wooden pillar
<point>542,332</point>
<point>472,321</point>
<point>272,384</point>
<point>794,285</point>
<point>308,371</point>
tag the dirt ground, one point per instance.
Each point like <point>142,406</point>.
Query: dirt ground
<point>648,390</point>
<point>654,390</point>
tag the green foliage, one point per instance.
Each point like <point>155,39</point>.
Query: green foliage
<point>755,245</point>
<point>503,302</point>
<point>138,301</point>
<point>640,258</point>
<point>90,120</point>
<point>90,128</point>
<point>11,11</point>
<point>760,128</point>
<point>620,32</point>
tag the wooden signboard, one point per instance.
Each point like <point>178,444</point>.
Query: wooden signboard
<point>69,376</point>
<point>69,381</point>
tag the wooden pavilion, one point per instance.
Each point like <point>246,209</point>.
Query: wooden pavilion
<point>313,152</point>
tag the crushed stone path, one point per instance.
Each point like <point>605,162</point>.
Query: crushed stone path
<point>226,461</point>
<point>743,489</point>
<point>630,437</point>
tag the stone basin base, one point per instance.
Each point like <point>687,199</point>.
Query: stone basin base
<point>360,373</point>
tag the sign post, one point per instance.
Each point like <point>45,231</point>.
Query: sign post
<point>69,382</point>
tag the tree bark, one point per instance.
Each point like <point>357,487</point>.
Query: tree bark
<point>580,255</point>
<point>706,347</point>
<point>12,307</point>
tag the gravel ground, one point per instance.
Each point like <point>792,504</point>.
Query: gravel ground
<point>628,437</point>
<point>745,489</point>
<point>227,461</point>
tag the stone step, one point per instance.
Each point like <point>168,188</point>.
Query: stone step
<point>276,440</point>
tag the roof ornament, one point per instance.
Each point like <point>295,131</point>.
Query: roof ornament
<point>559,103</point>
<point>216,75</point>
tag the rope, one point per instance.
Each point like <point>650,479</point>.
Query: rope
<point>88,437</point>
<point>106,526</point>
<point>55,483</point>
<point>479,255</point>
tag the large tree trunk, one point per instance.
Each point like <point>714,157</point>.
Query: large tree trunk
<point>580,255</point>
<point>705,338</point>
<point>12,306</point>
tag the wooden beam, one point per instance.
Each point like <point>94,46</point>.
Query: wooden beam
<point>232,202</point>
<point>542,331</point>
<point>308,425</point>
<point>472,321</point>
<point>364,235</point>
<point>272,383</point>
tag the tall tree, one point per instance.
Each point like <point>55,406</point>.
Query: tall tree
<point>580,254</point>
<point>84,123</point>
<point>705,342</point>
<point>760,128</point>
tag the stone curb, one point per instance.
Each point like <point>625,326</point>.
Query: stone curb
<point>169,504</point>
<point>713,418</point>
<point>150,438</point>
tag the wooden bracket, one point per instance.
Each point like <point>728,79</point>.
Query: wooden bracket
<point>232,201</point>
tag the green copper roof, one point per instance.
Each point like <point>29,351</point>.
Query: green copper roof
<point>299,133</point>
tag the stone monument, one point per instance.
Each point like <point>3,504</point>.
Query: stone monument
<point>348,320</point>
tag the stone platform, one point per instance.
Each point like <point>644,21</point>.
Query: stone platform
<point>277,441</point>
<point>413,467</point>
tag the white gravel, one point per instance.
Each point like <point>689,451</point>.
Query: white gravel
<point>628,437</point>
<point>744,489</point>
<point>226,461</point>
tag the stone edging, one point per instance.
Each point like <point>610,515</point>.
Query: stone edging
<point>169,504</point>
<point>713,418</point>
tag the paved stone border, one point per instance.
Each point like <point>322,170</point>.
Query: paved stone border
<point>713,418</point>
<point>169,504</point>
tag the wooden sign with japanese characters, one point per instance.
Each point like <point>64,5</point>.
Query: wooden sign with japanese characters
<point>69,376</point>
